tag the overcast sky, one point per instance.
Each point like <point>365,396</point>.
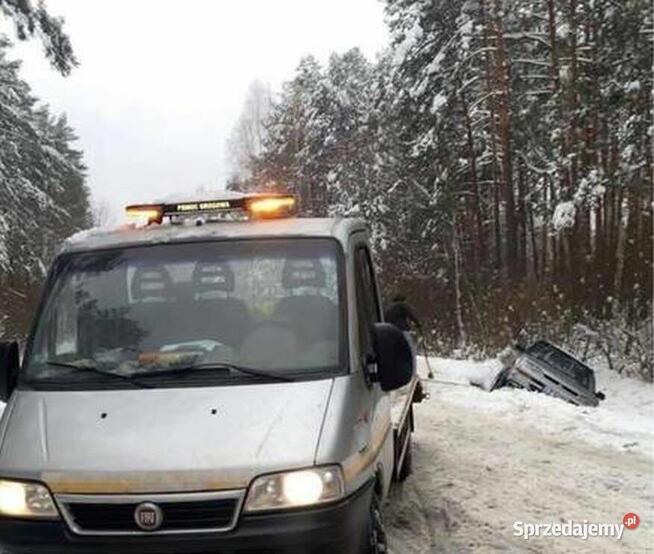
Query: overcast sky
<point>161,82</point>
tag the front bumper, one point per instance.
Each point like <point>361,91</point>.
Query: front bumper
<point>337,528</point>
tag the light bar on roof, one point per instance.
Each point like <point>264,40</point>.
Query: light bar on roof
<point>145,214</point>
<point>270,206</point>
<point>256,206</point>
<point>200,207</point>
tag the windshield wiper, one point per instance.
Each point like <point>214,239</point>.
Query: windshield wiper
<point>93,369</point>
<point>253,372</point>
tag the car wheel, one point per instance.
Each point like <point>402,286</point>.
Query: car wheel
<point>377,541</point>
<point>407,463</point>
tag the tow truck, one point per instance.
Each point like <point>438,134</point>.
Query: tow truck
<point>215,376</point>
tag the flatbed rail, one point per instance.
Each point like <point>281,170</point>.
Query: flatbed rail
<point>402,418</point>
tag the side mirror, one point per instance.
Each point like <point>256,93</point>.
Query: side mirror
<point>600,395</point>
<point>395,361</point>
<point>9,363</point>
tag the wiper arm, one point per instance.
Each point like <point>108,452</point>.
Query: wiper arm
<point>93,369</point>
<point>250,371</point>
<point>221,366</point>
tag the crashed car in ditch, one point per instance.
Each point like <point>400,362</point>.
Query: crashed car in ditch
<point>544,367</point>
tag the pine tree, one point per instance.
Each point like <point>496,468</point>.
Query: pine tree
<point>35,21</point>
<point>43,195</point>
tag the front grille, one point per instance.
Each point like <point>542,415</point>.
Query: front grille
<point>92,515</point>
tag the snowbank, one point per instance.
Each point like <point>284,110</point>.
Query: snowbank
<point>466,372</point>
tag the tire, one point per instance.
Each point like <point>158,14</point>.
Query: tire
<point>407,464</point>
<point>376,542</point>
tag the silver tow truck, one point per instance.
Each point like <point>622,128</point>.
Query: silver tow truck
<point>214,377</point>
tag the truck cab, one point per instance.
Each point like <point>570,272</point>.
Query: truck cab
<point>214,377</point>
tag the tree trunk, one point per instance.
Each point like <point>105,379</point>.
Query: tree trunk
<point>522,224</point>
<point>480,243</point>
<point>456,258</point>
<point>534,243</point>
<point>490,89</point>
<point>551,24</point>
<point>502,71</point>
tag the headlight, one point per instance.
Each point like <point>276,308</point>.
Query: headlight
<point>294,489</point>
<point>26,500</point>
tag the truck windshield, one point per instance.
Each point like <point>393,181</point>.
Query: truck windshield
<point>186,314</point>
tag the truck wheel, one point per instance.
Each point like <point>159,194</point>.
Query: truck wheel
<point>377,542</point>
<point>407,463</point>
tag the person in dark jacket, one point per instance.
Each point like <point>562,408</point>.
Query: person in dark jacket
<point>400,314</point>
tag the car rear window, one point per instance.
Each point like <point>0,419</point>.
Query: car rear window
<point>558,359</point>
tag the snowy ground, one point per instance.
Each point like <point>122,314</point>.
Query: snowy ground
<point>485,460</point>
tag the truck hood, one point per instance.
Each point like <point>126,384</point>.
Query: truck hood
<point>162,440</point>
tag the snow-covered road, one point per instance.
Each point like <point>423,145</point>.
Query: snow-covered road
<point>485,460</point>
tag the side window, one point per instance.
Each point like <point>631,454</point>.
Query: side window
<point>367,302</point>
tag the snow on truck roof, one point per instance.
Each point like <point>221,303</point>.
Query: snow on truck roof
<point>103,238</point>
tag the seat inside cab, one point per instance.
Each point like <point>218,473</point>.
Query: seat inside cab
<point>311,314</point>
<point>216,313</point>
<point>304,322</point>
